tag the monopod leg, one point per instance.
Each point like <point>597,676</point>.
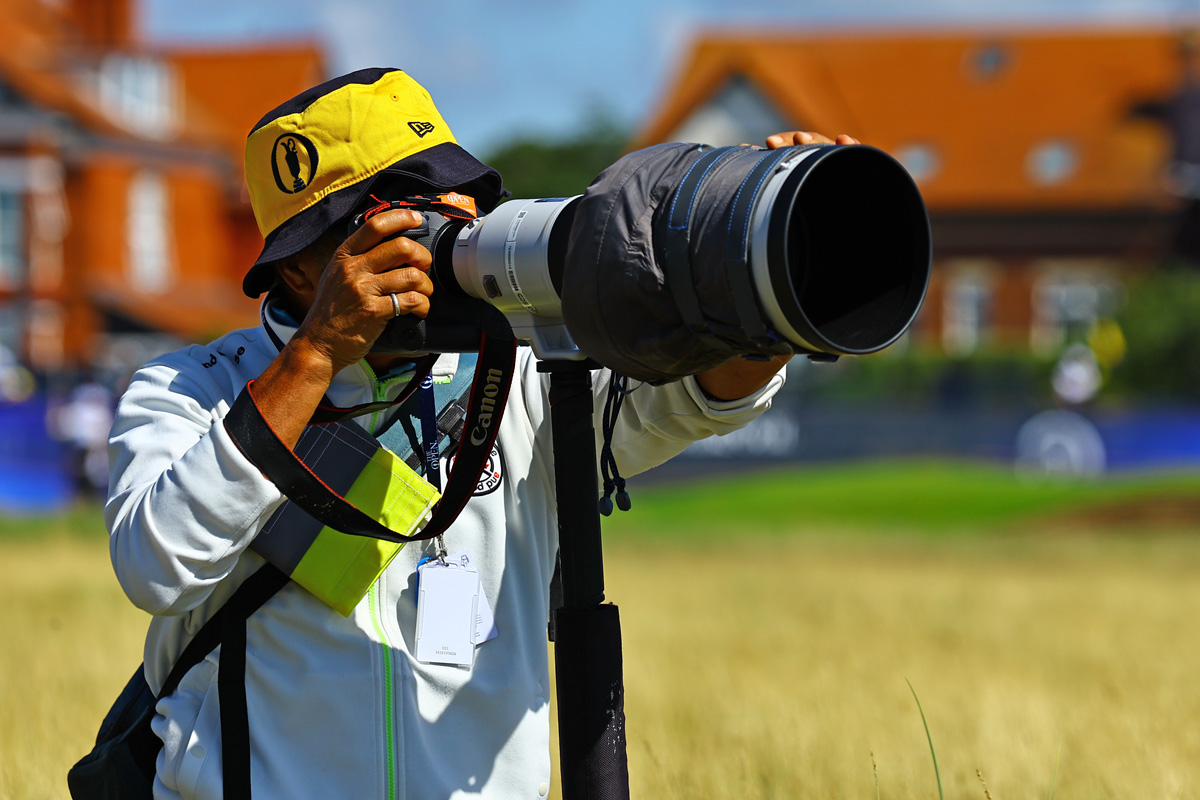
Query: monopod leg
<point>587,650</point>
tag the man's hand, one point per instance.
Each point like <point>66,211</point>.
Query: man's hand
<point>347,303</point>
<point>352,300</point>
<point>737,377</point>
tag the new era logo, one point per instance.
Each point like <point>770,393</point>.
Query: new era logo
<point>421,128</point>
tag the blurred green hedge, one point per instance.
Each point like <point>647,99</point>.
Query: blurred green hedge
<point>919,377</point>
<point>1161,324</point>
<point>537,167</point>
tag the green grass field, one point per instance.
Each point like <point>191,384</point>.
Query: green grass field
<point>770,625</point>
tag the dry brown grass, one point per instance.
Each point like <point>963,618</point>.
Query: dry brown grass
<point>70,641</point>
<point>774,669</point>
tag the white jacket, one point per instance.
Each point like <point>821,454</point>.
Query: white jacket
<point>338,707</point>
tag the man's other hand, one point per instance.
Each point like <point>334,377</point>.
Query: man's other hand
<point>790,138</point>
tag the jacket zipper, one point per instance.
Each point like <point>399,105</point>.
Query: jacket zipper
<point>379,392</point>
<point>389,688</point>
<point>375,600</point>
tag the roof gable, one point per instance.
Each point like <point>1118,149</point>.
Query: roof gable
<point>737,112</point>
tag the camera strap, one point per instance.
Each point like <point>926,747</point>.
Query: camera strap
<point>485,406</point>
<point>452,205</point>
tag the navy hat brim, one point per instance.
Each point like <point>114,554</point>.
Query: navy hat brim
<point>443,167</point>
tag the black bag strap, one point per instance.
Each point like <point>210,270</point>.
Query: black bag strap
<point>227,627</point>
<point>231,682</point>
<point>235,721</point>
<point>254,591</point>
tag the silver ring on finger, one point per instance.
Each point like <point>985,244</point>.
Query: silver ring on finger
<point>395,306</point>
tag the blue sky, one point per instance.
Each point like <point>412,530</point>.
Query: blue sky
<point>542,66</point>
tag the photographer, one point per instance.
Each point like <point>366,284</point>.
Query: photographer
<point>340,707</point>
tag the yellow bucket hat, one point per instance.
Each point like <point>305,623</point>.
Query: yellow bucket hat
<point>311,161</point>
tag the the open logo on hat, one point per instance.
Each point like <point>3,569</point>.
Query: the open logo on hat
<point>293,162</point>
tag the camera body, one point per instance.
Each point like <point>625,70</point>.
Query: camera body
<point>510,261</point>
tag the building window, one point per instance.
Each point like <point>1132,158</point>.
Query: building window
<point>922,161</point>
<point>12,330</point>
<point>988,62</point>
<point>138,92</point>
<point>1068,301</point>
<point>1052,162</point>
<point>148,233</point>
<point>12,240</point>
<point>967,312</point>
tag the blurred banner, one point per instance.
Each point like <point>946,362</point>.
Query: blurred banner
<point>34,476</point>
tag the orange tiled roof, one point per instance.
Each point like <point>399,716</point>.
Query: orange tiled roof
<point>933,89</point>
<point>237,86</point>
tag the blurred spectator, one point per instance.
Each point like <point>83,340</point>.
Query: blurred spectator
<point>1059,444</point>
<point>1076,377</point>
<point>83,423</point>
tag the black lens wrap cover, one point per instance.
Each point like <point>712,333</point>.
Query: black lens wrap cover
<point>618,301</point>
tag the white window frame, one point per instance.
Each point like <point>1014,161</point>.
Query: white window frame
<point>148,233</point>
<point>14,256</point>
<point>968,303</point>
<point>138,92</point>
<point>1069,297</point>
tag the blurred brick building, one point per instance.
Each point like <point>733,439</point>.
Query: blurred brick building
<point>1044,156</point>
<point>124,226</point>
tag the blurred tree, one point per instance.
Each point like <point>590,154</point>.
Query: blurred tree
<point>1161,326</point>
<point>561,167</point>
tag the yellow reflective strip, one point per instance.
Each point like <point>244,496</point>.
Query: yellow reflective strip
<point>339,568</point>
<point>356,131</point>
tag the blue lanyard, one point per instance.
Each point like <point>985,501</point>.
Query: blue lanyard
<point>429,433</point>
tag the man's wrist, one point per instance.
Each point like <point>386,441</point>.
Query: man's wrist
<point>308,359</point>
<point>291,387</point>
<point>738,378</point>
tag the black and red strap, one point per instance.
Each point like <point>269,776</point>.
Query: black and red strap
<point>451,205</point>
<point>489,393</point>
